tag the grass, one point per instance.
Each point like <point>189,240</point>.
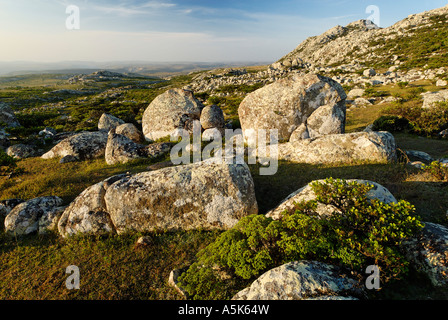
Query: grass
<point>33,267</point>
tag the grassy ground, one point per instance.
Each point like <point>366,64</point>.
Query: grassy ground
<point>111,267</point>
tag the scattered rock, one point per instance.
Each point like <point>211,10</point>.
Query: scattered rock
<point>355,93</point>
<point>21,151</point>
<point>143,242</point>
<point>108,122</point>
<point>441,83</point>
<point>212,117</point>
<point>415,155</point>
<point>48,132</point>
<point>288,103</point>
<point>173,280</point>
<point>430,98</point>
<point>174,109</point>
<point>121,149</point>
<point>130,131</point>
<point>68,159</point>
<point>7,116</point>
<point>83,146</point>
<point>299,280</point>
<point>307,194</point>
<point>429,252</point>
<point>24,218</point>
<point>369,73</point>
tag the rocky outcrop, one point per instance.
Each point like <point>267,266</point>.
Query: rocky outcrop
<point>85,145</point>
<point>108,122</point>
<point>199,195</point>
<point>24,218</point>
<point>7,116</point>
<point>288,103</point>
<point>341,148</point>
<point>174,109</point>
<point>87,213</point>
<point>307,194</point>
<point>429,252</point>
<point>300,280</point>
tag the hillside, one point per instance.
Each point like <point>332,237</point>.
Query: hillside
<point>87,179</point>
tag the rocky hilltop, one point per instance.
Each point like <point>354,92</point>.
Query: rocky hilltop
<point>352,44</point>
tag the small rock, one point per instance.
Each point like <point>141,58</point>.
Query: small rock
<point>441,83</point>
<point>68,159</point>
<point>108,122</point>
<point>21,151</point>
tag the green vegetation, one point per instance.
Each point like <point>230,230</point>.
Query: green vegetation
<point>359,232</point>
<point>425,46</point>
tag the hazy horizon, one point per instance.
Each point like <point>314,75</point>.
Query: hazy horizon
<point>175,31</point>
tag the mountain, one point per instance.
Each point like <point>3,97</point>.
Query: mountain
<point>420,40</point>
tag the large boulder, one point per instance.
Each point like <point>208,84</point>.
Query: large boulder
<point>7,116</point>
<point>288,103</point>
<point>200,195</point>
<point>87,213</point>
<point>174,109</point>
<point>307,194</point>
<point>300,280</point>
<point>341,148</point>
<point>108,122</point>
<point>24,218</point>
<point>429,252</point>
<point>85,145</point>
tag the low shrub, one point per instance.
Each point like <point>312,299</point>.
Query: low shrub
<point>359,233</point>
<point>391,124</point>
<point>437,170</point>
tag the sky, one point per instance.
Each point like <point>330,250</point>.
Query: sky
<point>179,30</point>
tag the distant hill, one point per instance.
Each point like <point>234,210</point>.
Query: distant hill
<point>142,68</point>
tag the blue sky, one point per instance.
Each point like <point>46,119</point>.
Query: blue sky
<point>179,30</point>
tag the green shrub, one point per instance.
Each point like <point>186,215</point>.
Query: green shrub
<point>7,163</point>
<point>437,170</point>
<point>359,233</point>
<point>391,124</point>
<point>432,120</point>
